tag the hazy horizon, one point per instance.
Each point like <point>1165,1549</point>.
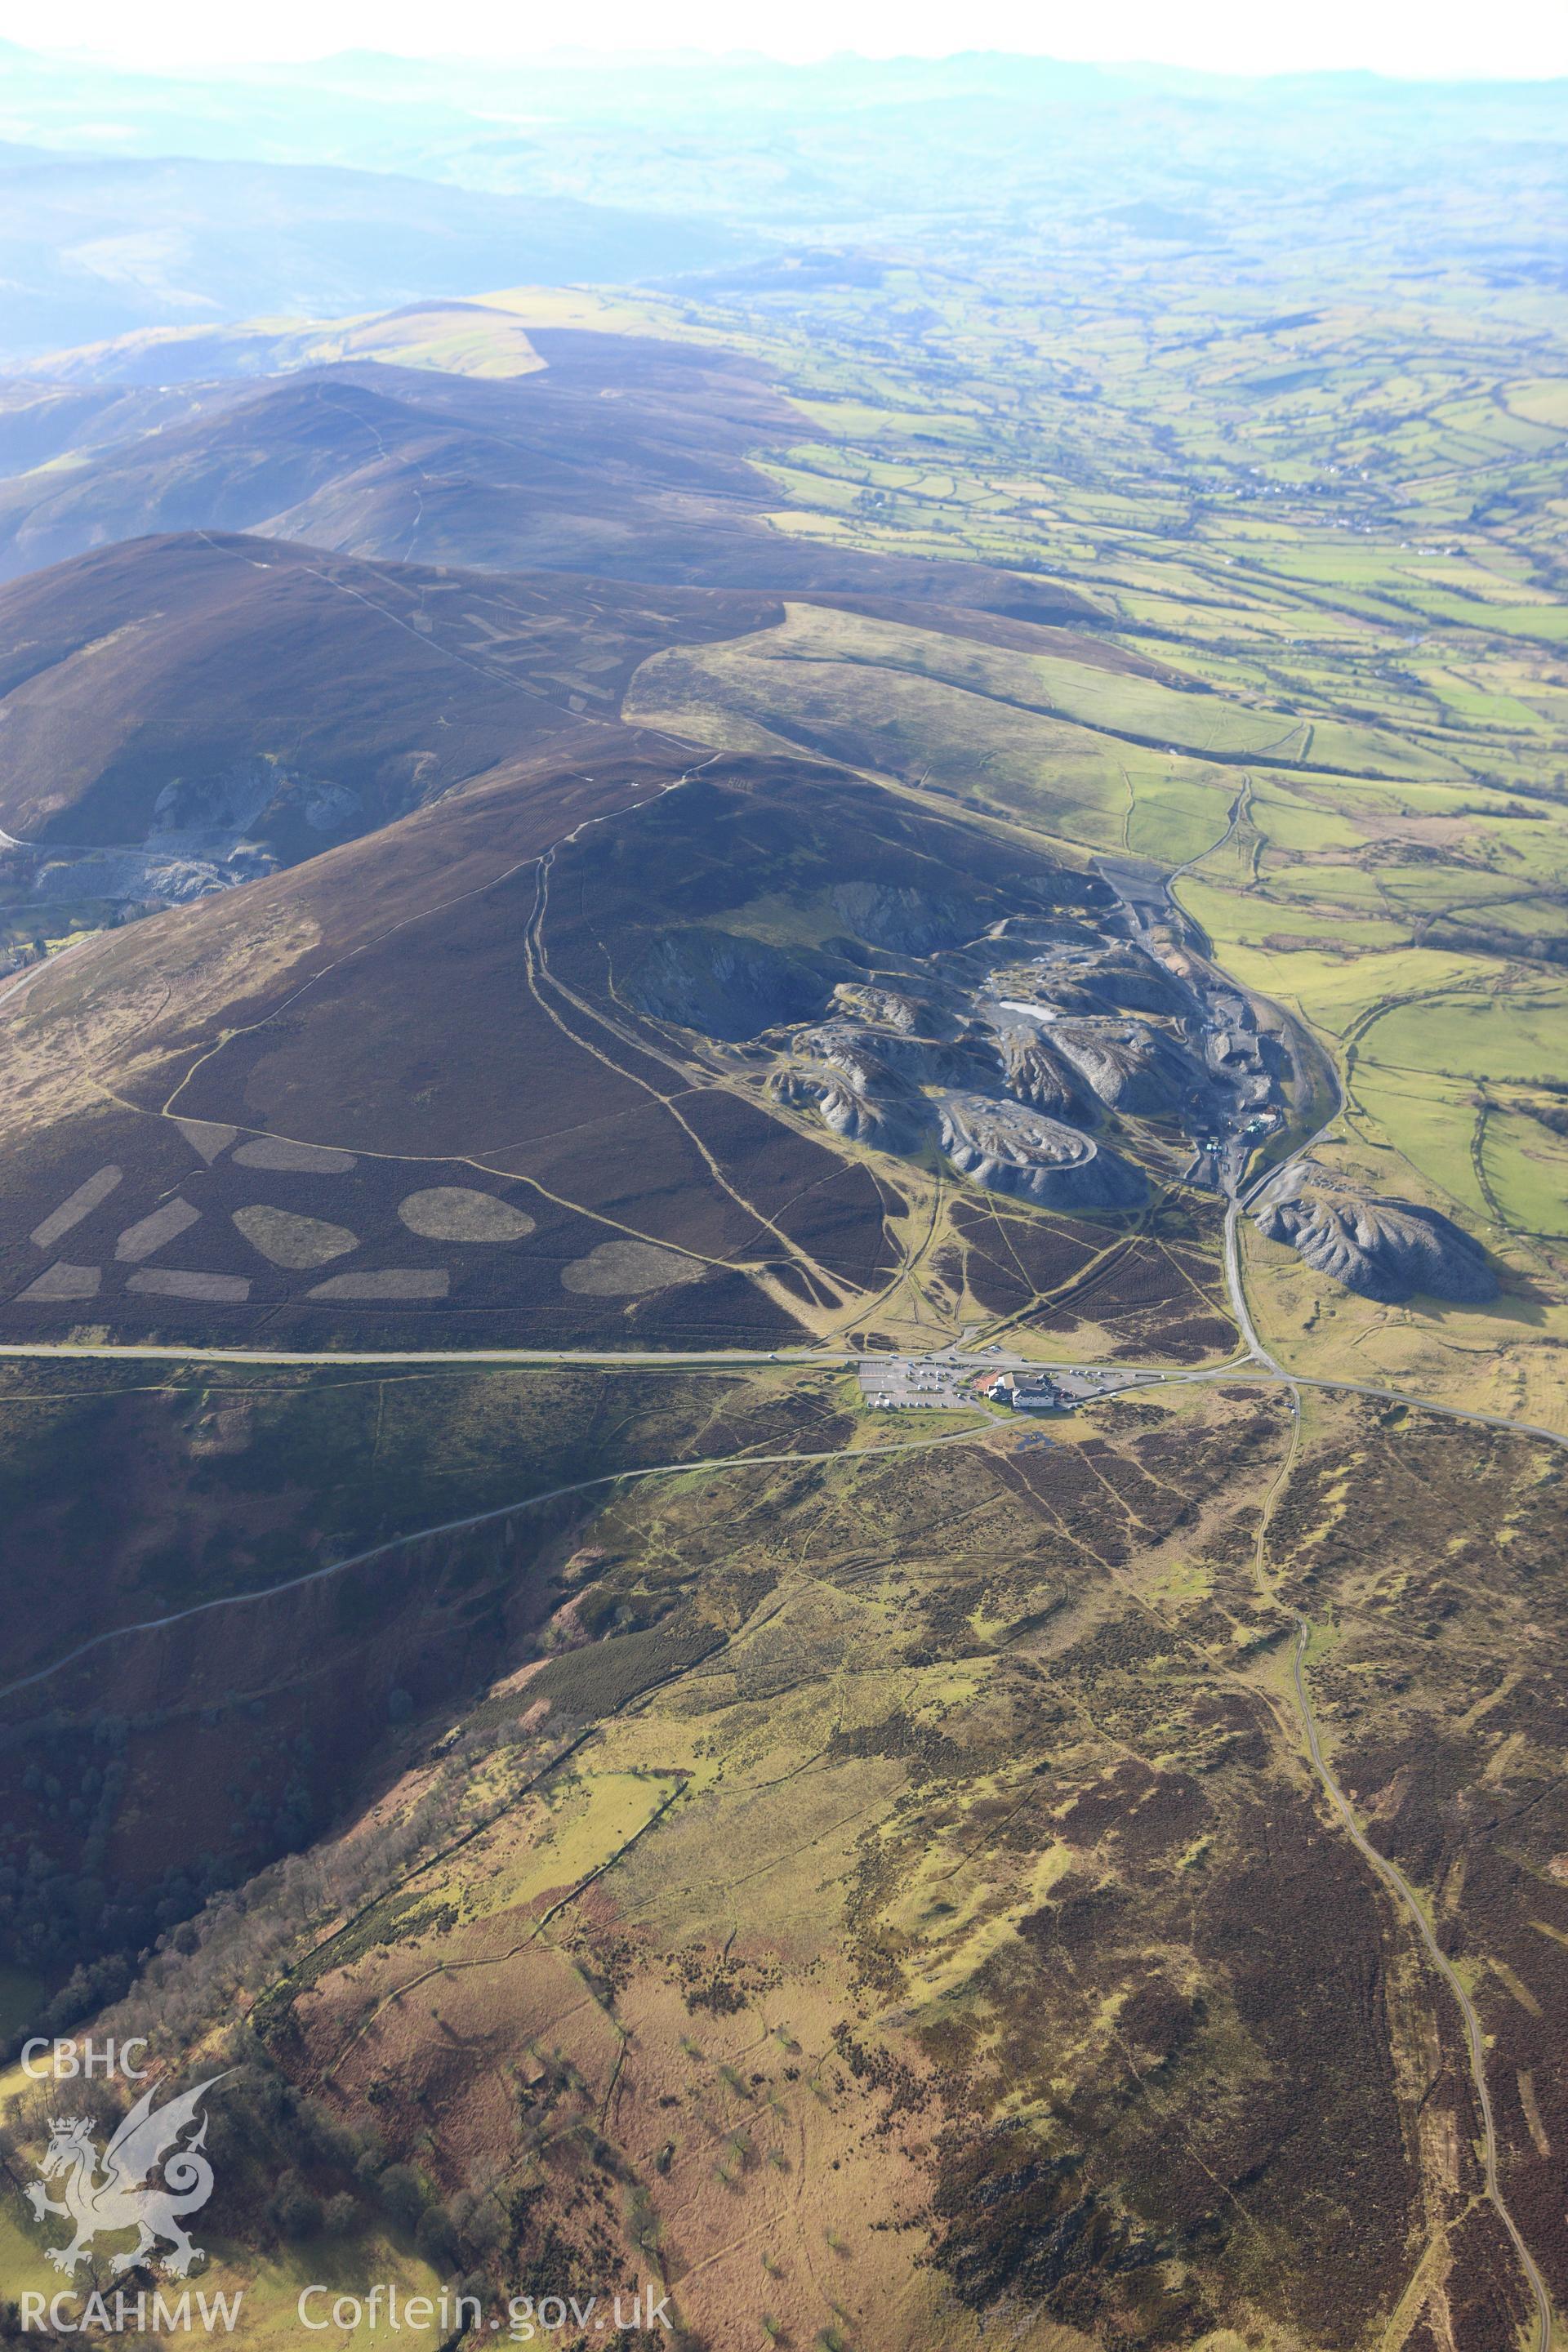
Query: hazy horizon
<point>1396,40</point>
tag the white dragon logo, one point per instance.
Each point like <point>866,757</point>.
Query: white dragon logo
<point>124,2197</point>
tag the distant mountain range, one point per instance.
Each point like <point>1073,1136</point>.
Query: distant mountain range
<point>134,199</point>
<point>93,246</point>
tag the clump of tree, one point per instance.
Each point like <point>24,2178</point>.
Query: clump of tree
<point>189,1972</point>
<point>58,1917</point>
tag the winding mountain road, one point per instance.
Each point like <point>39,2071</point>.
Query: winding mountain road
<point>1388,1873</point>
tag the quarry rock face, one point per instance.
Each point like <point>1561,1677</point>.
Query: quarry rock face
<point>889,1008</point>
<point>1110,980</point>
<point>1382,1248</point>
<point>889,1124</point>
<point>726,985</point>
<point>902,918</point>
<point>875,1059</point>
<point>1009,1148</point>
<point>854,1091</point>
<point>1016,1044</point>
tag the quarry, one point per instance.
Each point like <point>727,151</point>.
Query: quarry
<point>1063,1063</point>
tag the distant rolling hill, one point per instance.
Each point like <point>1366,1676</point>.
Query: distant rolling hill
<point>92,247</point>
<point>334,670</point>
<point>45,418</point>
<point>376,459</point>
<point>625,457</point>
<point>435,920</point>
<point>467,1073</point>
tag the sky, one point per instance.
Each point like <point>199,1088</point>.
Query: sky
<point>1438,38</point>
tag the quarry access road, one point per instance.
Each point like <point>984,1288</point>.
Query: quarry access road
<point>1266,1369</point>
<point>1236,1288</point>
<point>1238,1292</point>
<point>1248,1369</point>
<point>1276,1379</point>
<point>1394,1882</point>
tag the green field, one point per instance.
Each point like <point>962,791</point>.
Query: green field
<point>952,717</point>
<point>1510,1035</point>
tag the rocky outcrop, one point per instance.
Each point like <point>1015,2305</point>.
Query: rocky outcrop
<point>1132,981</point>
<point>1381,1248</point>
<point>863,1105</point>
<point>917,1061</point>
<point>887,1008</point>
<point>133,878</point>
<point>1120,980</point>
<point>1009,1148</point>
<point>207,833</point>
<point>905,920</point>
<point>1035,1045</point>
<point>1095,979</point>
<point>726,986</point>
<point>845,1076</point>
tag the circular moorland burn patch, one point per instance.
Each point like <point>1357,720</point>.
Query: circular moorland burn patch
<point>293,1241</point>
<point>452,1212</point>
<point>624,1269</point>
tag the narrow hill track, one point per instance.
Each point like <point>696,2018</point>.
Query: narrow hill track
<point>1257,1365</point>
<point>706,1465</point>
<point>1410,1903</point>
<point>1388,1873</point>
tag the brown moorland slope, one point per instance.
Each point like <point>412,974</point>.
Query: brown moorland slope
<point>477,974</point>
<point>620,457</point>
<point>886,1899</point>
<point>137,680</point>
<point>383,1004</point>
<point>902,1870</point>
<point>561,991</point>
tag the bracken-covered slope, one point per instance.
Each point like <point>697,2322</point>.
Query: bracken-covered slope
<point>898,1865</point>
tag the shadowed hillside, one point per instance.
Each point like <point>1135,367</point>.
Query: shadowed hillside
<point>628,458</point>
<point>154,691</point>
